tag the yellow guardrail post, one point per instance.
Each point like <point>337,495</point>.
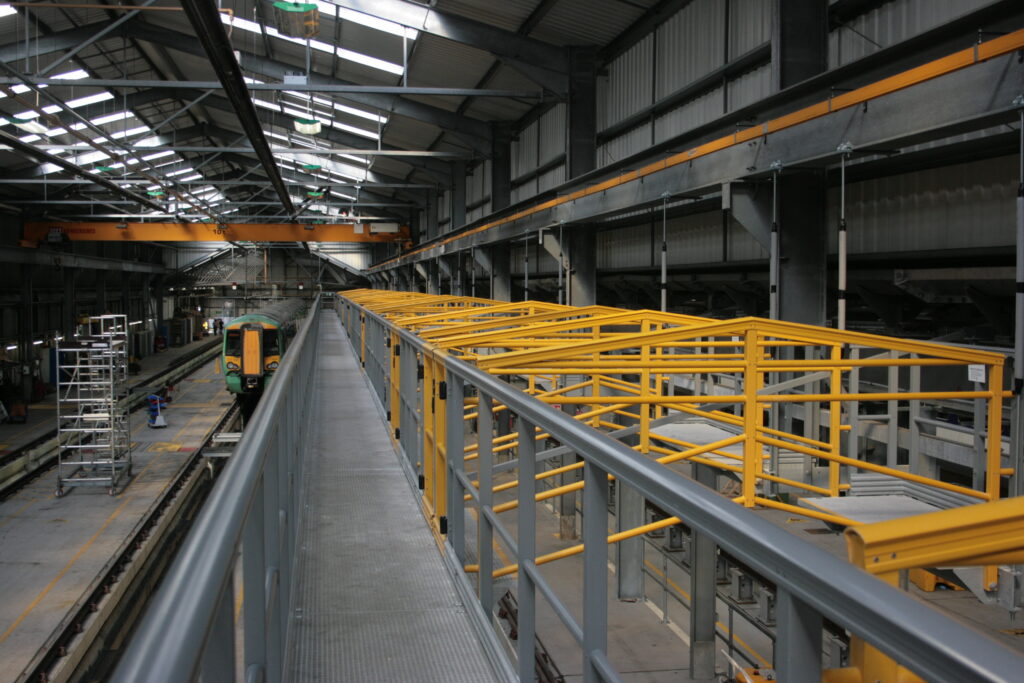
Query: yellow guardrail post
<point>751,417</point>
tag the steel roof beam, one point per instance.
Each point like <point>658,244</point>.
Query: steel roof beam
<point>43,257</point>
<point>205,19</point>
<point>499,42</point>
<point>328,88</point>
<point>474,132</point>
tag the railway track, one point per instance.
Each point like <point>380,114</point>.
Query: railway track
<point>85,646</point>
<point>20,467</point>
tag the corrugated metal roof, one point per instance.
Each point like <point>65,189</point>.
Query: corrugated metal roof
<point>588,22</point>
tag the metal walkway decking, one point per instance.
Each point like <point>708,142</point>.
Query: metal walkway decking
<point>374,600</point>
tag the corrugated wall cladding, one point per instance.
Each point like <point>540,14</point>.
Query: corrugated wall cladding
<point>551,135</point>
<point>629,86</point>
<point>524,151</point>
<point>524,191</point>
<point>444,205</point>
<point>750,25</point>
<point>188,253</point>
<point>478,182</point>
<point>966,205</point>
<point>540,259</point>
<point>694,113</point>
<point>691,239</point>
<point>356,259</point>
<point>689,45</point>
<point>750,87</point>
<point>552,178</point>
<point>891,23</point>
<point>631,142</point>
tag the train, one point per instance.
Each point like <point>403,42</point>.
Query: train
<point>253,345</point>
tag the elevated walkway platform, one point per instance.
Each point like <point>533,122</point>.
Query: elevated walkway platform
<point>374,600</point>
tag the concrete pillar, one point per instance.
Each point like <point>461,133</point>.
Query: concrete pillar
<point>582,257</point>
<point>581,120</point>
<point>799,41</point>
<point>501,166</point>
<point>501,273</point>
<point>458,196</point>
<point>803,247</point>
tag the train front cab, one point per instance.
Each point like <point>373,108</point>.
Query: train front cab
<point>251,353</point>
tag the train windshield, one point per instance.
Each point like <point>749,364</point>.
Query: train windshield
<point>233,343</point>
<point>270,345</point>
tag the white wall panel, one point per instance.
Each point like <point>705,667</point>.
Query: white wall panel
<point>689,45</point>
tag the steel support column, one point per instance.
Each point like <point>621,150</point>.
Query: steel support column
<point>501,167</point>
<point>457,212</point>
<point>501,272</point>
<point>799,41</point>
<point>803,248</point>
<point>581,119</point>
<point>797,640</point>
<point>582,258</point>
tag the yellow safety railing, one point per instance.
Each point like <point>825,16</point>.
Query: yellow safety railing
<point>603,362</point>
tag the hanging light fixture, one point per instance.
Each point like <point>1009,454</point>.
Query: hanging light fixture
<point>297,19</point>
<point>308,126</point>
<point>27,125</point>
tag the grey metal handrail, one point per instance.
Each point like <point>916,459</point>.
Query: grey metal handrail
<point>810,582</point>
<point>189,627</point>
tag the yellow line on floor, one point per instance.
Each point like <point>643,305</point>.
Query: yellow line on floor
<point>19,511</point>
<point>81,551</point>
<point>736,639</point>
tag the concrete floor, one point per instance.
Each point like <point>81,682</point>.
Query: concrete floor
<point>41,415</point>
<point>53,548</point>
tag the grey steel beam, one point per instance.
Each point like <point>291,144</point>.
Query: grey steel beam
<point>474,132</point>
<point>799,41</point>
<point>581,115</point>
<point>70,54</point>
<point>259,183</point>
<point>21,50</point>
<point>276,150</point>
<point>912,116</point>
<point>117,202</point>
<point>205,19</point>
<point>501,167</point>
<point>499,42</point>
<point>45,157</point>
<point>330,88</point>
<point>44,257</point>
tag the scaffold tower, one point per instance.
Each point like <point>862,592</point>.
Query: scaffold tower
<point>92,418</point>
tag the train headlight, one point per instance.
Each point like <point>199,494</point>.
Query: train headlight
<point>232,366</point>
<point>272,366</point>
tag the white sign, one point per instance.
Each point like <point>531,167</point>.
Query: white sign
<point>976,373</point>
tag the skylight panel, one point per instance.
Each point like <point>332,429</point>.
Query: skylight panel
<point>110,118</point>
<point>151,141</point>
<point>75,75</point>
<point>318,45</point>
<point>171,174</point>
<point>188,178</point>
<point>7,10</point>
<point>370,21</point>
<point>158,155</point>
<point>87,100</point>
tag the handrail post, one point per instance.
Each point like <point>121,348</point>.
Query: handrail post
<point>485,532</point>
<point>526,543</point>
<point>797,639</point>
<point>595,567</point>
<point>456,435</point>
<point>751,418</point>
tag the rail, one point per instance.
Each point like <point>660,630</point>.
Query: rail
<point>189,629</point>
<point>435,399</point>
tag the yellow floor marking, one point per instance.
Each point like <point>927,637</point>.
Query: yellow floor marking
<point>19,511</point>
<point>163,447</point>
<point>201,381</point>
<point>81,551</point>
<point>736,639</point>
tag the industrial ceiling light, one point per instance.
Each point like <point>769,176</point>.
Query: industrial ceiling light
<point>105,169</point>
<point>314,195</point>
<point>308,126</point>
<point>156,193</point>
<point>297,19</point>
<point>311,167</point>
<point>27,125</point>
